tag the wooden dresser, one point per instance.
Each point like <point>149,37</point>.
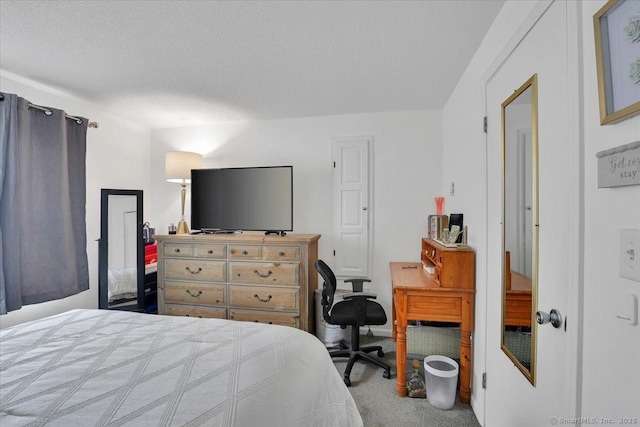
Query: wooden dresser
<point>248,277</point>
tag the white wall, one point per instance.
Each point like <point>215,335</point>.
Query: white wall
<point>407,155</point>
<point>117,157</point>
<point>610,372</point>
<point>610,349</point>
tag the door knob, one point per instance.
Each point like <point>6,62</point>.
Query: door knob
<point>554,317</point>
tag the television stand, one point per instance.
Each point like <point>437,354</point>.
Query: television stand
<point>281,233</point>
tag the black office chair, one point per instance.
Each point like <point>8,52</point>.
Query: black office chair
<point>356,310</point>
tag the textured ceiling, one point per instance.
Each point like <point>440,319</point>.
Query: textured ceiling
<point>182,63</point>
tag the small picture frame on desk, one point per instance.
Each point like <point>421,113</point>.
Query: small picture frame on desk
<point>456,220</point>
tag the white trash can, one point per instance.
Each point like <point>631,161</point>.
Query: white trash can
<point>441,381</point>
<point>330,335</point>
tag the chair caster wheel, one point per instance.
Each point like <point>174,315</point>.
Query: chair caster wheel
<point>347,382</point>
<point>386,374</point>
<point>380,353</point>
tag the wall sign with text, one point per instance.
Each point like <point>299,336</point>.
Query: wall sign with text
<point>619,166</point>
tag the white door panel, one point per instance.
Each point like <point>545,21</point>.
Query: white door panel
<point>351,213</point>
<point>510,398</point>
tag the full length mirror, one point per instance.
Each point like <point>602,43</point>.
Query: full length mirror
<point>520,225</point>
<point>121,254</point>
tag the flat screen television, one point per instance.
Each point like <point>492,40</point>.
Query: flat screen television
<point>247,199</point>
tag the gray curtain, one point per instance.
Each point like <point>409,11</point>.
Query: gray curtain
<point>43,242</point>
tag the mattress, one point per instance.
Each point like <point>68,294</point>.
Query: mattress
<point>102,367</point>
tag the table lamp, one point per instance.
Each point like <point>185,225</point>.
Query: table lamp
<point>177,168</point>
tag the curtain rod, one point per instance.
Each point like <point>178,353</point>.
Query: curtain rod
<point>48,112</point>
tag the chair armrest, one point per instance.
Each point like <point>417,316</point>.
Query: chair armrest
<point>358,295</point>
<point>356,284</point>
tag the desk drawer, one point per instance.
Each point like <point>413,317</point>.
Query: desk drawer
<point>264,273</point>
<point>263,297</point>
<point>439,308</point>
<point>195,270</point>
<point>194,293</point>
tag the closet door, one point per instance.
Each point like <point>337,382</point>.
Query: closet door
<point>351,207</point>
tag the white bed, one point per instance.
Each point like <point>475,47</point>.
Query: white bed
<point>102,367</point>
<point>123,283</point>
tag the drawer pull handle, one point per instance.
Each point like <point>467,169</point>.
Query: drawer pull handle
<point>267,299</point>
<point>264,276</point>
<point>210,251</point>
<point>176,250</point>
<point>245,253</point>
<point>194,295</point>
<point>193,272</point>
<point>281,253</point>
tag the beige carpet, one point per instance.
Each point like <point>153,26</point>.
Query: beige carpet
<point>379,404</point>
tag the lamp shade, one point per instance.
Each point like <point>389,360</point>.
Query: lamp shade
<point>178,165</point>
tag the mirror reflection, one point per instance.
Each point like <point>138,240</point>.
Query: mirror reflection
<point>520,211</point>
<point>121,255</point>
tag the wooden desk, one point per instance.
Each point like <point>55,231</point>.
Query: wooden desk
<point>518,305</point>
<point>417,296</point>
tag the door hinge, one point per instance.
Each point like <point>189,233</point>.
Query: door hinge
<point>484,122</point>
<point>484,380</point>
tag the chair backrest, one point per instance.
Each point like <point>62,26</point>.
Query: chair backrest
<point>328,288</point>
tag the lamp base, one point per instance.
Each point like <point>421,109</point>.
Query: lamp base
<point>183,228</point>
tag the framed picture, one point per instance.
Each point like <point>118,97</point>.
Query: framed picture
<point>617,33</point>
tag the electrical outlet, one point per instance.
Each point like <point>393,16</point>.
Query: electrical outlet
<point>630,254</point>
<point>452,189</point>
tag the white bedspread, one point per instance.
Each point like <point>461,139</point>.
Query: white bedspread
<point>100,367</point>
<point>122,282</point>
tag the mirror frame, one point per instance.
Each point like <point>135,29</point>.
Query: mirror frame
<point>532,83</point>
<point>103,250</point>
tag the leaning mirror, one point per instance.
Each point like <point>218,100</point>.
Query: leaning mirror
<point>520,226</point>
<point>121,253</point>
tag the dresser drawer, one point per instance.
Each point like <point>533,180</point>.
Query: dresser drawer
<point>245,252</point>
<point>195,311</point>
<point>264,273</point>
<point>177,250</point>
<point>210,251</point>
<point>281,253</point>
<point>194,293</point>
<point>195,270</point>
<point>263,297</point>
<point>275,318</point>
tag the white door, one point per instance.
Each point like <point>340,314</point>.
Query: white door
<point>351,210</point>
<point>510,398</point>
